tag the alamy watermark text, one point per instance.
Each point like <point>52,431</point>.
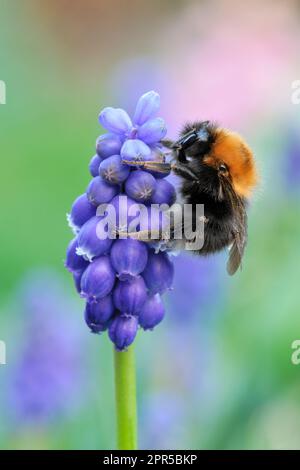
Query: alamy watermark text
<point>2,92</point>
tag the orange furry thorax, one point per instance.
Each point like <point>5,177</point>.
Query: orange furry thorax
<point>229,148</point>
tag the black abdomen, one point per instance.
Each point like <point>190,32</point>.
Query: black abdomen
<point>219,225</point>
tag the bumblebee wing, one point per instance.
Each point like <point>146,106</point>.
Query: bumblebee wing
<point>239,243</point>
<point>235,255</point>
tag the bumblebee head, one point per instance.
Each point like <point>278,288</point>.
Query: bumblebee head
<point>232,159</point>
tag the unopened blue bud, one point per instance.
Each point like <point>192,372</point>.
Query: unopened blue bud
<point>152,312</point>
<point>129,258</point>
<point>126,210</point>
<point>140,185</point>
<point>98,279</point>
<point>94,165</point>
<point>115,120</point>
<point>130,296</point>
<point>74,263</point>
<point>159,273</point>
<point>113,170</point>
<point>152,131</point>
<point>77,280</point>
<point>122,331</point>
<point>90,242</point>
<point>135,150</point>
<point>147,106</point>
<point>82,210</point>
<point>98,314</point>
<point>164,193</point>
<point>108,144</point>
<point>100,192</point>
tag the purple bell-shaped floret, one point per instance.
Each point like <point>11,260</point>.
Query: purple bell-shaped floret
<point>123,330</point>
<point>98,279</point>
<point>98,314</point>
<point>130,296</point>
<point>159,273</point>
<point>129,258</point>
<point>152,312</point>
<point>92,240</point>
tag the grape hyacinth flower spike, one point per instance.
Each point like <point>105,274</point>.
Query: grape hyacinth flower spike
<point>122,280</point>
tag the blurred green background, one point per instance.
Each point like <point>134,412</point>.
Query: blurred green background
<point>217,373</point>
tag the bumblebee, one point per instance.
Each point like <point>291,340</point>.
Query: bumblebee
<point>217,169</point>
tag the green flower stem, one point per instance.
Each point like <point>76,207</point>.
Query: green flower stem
<point>125,389</point>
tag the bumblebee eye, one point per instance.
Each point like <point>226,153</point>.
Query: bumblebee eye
<point>223,168</point>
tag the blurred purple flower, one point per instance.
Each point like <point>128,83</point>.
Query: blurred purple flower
<point>163,422</point>
<point>133,76</point>
<point>45,377</point>
<point>197,287</point>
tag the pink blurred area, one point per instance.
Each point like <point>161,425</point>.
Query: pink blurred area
<point>224,60</point>
<point>234,63</point>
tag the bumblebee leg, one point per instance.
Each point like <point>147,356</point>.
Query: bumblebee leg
<point>184,171</point>
<point>179,169</point>
<point>181,156</point>
<point>177,148</point>
<point>169,144</point>
<point>160,167</point>
<point>143,235</point>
